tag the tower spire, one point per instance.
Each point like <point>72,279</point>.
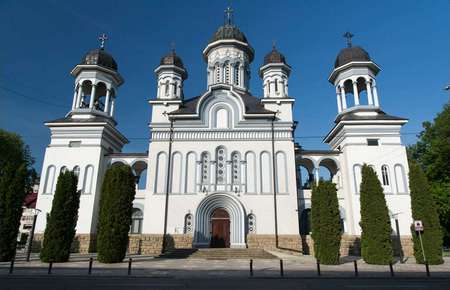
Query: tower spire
<point>103,38</point>
<point>349,36</point>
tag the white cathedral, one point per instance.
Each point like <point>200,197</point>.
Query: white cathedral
<point>223,168</point>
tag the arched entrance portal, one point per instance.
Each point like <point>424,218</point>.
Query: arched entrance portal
<point>220,229</point>
<point>211,209</point>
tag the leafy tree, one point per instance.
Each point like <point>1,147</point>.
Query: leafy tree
<point>376,247</point>
<point>424,209</point>
<point>60,230</point>
<point>326,224</point>
<point>432,152</point>
<point>16,178</point>
<point>116,204</point>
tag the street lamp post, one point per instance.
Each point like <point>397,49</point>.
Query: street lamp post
<point>31,236</point>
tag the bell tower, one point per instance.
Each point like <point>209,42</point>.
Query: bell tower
<point>82,140</point>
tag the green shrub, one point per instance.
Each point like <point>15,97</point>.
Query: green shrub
<point>376,246</point>
<point>326,224</point>
<point>116,204</point>
<point>424,208</point>
<point>60,230</point>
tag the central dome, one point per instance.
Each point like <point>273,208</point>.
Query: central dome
<point>349,54</point>
<point>172,59</point>
<point>228,31</point>
<point>99,57</point>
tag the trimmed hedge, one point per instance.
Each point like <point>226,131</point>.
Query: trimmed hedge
<point>326,223</point>
<point>60,230</point>
<point>116,205</point>
<point>424,208</point>
<point>376,245</point>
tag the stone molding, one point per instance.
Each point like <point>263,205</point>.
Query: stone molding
<point>222,135</point>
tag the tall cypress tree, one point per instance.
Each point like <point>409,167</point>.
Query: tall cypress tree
<point>116,205</point>
<point>326,229</point>
<point>60,230</point>
<point>424,208</point>
<point>15,181</point>
<point>376,246</point>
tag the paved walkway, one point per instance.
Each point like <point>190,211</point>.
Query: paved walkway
<point>294,266</point>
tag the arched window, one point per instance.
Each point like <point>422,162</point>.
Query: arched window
<point>86,88</point>
<point>217,72</point>
<point>188,223</point>
<point>221,119</point>
<point>357,177</point>
<point>88,178</point>
<point>136,221</point>
<point>50,179</point>
<point>385,175</point>
<point>205,167</point>
<point>166,88</point>
<point>221,165</point>
<point>236,73</point>
<point>63,169</point>
<point>236,167</point>
<point>251,219</point>
<point>276,85</point>
<point>400,179</point>
<point>227,76</point>
<point>174,89</point>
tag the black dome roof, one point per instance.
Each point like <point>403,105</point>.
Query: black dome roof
<point>99,57</point>
<point>349,54</point>
<point>172,59</point>
<point>274,57</point>
<point>228,31</point>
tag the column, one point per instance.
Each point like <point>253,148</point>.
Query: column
<point>338,97</point>
<point>241,76</point>
<point>344,99</point>
<point>266,90</point>
<point>316,175</point>
<point>80,90</point>
<point>369,93</point>
<point>108,93</point>
<point>355,93</point>
<point>375,95</point>
<point>91,101</point>
<point>75,98</point>
<point>286,88</point>
<point>112,106</point>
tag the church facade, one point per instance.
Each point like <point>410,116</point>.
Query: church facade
<point>223,168</point>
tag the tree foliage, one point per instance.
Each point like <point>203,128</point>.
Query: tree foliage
<point>423,208</point>
<point>60,230</point>
<point>376,246</point>
<point>326,223</point>
<point>432,152</point>
<point>116,204</point>
<point>16,178</point>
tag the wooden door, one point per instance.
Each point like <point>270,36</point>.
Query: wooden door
<point>220,229</point>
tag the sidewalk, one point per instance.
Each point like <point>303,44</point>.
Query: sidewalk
<point>294,266</point>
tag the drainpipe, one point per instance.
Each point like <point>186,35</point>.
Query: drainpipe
<point>274,177</point>
<point>169,168</point>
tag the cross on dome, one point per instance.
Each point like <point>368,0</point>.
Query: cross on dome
<point>349,36</point>
<point>103,37</point>
<point>229,15</point>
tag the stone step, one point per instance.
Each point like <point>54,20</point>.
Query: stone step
<point>218,253</point>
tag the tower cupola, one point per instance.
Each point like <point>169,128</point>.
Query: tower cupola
<point>96,82</point>
<point>171,75</point>
<point>228,55</point>
<point>354,74</point>
<point>275,73</point>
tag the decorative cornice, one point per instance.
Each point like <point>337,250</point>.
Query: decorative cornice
<point>227,135</point>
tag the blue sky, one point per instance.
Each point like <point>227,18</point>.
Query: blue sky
<point>43,40</point>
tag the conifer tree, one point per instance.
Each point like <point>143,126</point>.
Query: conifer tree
<point>116,204</point>
<point>424,208</point>
<point>376,245</point>
<point>326,225</point>
<point>60,230</point>
<point>16,178</point>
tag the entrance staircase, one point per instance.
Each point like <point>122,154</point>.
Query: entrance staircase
<point>217,254</point>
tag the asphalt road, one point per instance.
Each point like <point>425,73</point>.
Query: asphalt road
<point>70,282</point>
